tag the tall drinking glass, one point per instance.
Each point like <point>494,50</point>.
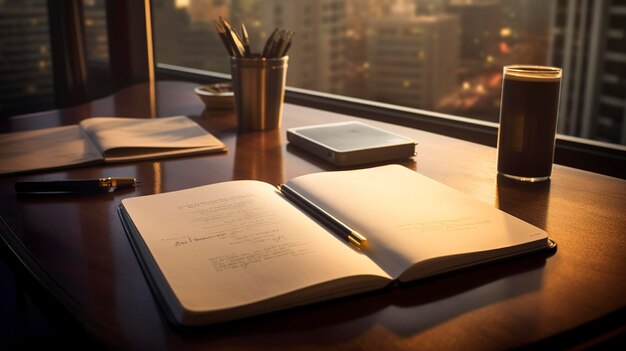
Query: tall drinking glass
<point>528,115</point>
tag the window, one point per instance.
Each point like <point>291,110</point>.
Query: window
<point>453,49</point>
<point>26,81</point>
<point>33,58</point>
<point>96,36</point>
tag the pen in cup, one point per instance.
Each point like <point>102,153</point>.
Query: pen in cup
<point>276,46</point>
<point>245,38</point>
<point>222,34</point>
<point>353,237</point>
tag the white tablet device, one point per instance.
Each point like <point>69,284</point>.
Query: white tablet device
<point>351,143</point>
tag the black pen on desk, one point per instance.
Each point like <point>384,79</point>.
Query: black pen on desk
<point>74,185</point>
<point>353,237</point>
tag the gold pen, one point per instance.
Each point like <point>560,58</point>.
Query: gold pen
<point>74,185</point>
<point>115,182</point>
<point>353,237</point>
<point>245,38</point>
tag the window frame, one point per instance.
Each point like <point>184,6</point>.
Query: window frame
<point>78,79</point>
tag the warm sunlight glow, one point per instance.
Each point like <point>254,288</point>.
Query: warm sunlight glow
<point>182,3</point>
<point>504,48</point>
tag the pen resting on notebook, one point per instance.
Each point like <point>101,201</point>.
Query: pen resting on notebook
<point>353,237</point>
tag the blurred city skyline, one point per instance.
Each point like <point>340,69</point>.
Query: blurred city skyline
<point>437,55</point>
<point>440,55</point>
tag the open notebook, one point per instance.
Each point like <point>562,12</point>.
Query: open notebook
<point>240,248</point>
<point>103,140</point>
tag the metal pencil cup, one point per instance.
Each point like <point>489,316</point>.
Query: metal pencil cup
<point>259,87</point>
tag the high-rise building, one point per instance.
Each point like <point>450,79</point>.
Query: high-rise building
<point>480,21</point>
<point>588,43</point>
<point>317,56</point>
<point>188,38</point>
<point>413,59</point>
<point>208,10</point>
<point>96,36</point>
<point>201,47</point>
<point>525,32</point>
<point>170,25</point>
<point>359,14</point>
<point>26,82</point>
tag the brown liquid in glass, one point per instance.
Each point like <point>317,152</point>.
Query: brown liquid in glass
<point>527,127</point>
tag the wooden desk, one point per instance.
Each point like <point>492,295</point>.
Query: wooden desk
<point>80,243</point>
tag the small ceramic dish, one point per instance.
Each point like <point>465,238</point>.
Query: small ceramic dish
<point>217,96</point>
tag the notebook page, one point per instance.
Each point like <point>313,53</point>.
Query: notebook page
<point>230,244</point>
<point>409,218</point>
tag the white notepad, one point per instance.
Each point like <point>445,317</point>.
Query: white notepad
<point>351,143</point>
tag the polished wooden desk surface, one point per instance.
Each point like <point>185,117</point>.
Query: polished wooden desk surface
<point>81,244</point>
